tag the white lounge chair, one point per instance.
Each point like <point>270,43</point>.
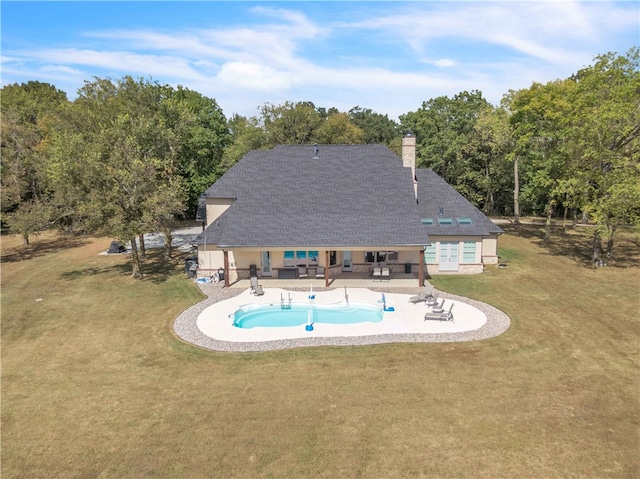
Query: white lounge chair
<point>302,272</point>
<point>433,300</point>
<point>438,308</point>
<point>320,272</point>
<point>425,296</point>
<point>377,274</point>
<point>385,274</point>
<point>444,316</point>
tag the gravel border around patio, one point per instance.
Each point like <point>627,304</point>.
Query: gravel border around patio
<point>186,328</point>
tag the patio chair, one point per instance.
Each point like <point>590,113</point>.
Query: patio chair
<point>426,295</point>
<point>438,308</point>
<point>302,272</point>
<point>385,274</point>
<point>377,274</point>
<point>433,300</point>
<point>320,272</point>
<point>255,287</point>
<point>444,316</point>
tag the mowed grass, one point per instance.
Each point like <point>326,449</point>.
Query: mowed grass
<point>95,384</point>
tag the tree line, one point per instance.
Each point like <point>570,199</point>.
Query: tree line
<point>132,156</point>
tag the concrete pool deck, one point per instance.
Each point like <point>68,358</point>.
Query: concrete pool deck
<point>209,324</point>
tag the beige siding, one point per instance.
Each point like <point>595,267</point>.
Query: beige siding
<point>210,258</point>
<point>215,207</point>
<point>245,258</point>
<point>490,250</point>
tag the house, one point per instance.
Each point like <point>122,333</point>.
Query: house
<point>462,238</point>
<point>331,208</point>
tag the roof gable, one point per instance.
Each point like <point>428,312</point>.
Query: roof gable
<point>437,199</point>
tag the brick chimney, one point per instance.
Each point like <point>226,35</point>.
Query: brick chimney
<point>409,157</point>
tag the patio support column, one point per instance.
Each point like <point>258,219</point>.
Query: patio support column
<point>326,269</point>
<point>421,269</point>
<point>226,269</point>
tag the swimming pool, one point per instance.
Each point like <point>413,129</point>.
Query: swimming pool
<point>296,314</point>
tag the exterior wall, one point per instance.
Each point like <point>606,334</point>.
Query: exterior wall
<point>335,270</point>
<point>211,260</point>
<point>396,266</point>
<point>243,259</point>
<point>490,250</point>
<point>463,268</point>
<point>358,264</point>
<point>277,262</point>
<point>215,207</point>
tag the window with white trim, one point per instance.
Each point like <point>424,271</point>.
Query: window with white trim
<point>469,252</point>
<point>430,253</point>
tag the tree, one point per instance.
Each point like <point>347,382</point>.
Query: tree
<point>27,111</point>
<point>488,150</point>
<point>246,135</point>
<point>338,129</point>
<point>539,118</point>
<point>290,123</point>
<point>604,131</point>
<point>443,127</point>
<point>294,124</point>
<point>377,128</point>
<point>204,141</point>
<point>117,157</point>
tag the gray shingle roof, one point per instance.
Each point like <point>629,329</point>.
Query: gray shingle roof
<point>435,193</point>
<point>352,195</point>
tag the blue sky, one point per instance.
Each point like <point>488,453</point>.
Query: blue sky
<point>387,56</point>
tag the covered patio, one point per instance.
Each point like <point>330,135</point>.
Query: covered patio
<point>340,280</point>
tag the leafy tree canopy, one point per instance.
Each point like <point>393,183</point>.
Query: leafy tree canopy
<point>28,110</point>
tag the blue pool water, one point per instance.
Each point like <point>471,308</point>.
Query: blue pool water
<point>275,316</point>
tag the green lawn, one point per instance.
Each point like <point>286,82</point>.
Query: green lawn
<point>95,384</point>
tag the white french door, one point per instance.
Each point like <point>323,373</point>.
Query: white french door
<point>449,256</point>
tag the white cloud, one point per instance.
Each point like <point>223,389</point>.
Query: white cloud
<point>298,24</point>
<point>122,62</point>
<point>391,59</point>
<point>205,64</point>
<point>60,69</point>
<point>254,76</point>
<point>551,31</point>
<point>441,62</point>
